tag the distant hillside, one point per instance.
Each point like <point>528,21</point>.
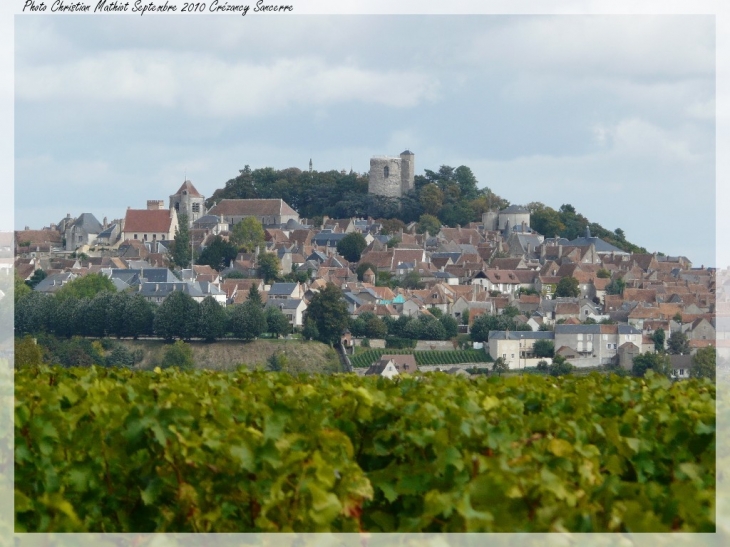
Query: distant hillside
<point>450,194</point>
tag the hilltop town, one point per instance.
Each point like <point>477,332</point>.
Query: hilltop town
<point>597,305</point>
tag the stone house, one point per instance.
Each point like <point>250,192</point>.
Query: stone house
<point>151,224</point>
<point>270,212</point>
<point>595,344</point>
<point>517,348</point>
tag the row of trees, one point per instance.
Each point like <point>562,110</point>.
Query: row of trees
<point>131,315</point>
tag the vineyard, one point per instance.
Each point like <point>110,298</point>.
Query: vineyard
<point>112,450</point>
<point>367,358</point>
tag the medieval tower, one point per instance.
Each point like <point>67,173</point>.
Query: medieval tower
<point>392,176</point>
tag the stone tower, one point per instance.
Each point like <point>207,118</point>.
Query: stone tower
<point>189,201</point>
<point>392,176</point>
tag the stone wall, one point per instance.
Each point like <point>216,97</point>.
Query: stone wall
<point>381,185</point>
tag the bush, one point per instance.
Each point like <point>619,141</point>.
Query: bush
<point>178,355</point>
<point>395,342</point>
<point>365,343</point>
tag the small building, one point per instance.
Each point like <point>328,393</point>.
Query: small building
<point>392,365</point>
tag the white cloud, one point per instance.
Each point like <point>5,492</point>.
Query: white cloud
<point>634,46</point>
<point>205,85</point>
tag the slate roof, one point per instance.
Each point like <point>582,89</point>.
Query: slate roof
<point>165,289</point>
<point>517,335</point>
<point>514,209</point>
<point>251,207</point>
<point>282,289</point>
<point>88,222</point>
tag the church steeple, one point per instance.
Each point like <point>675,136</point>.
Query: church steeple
<point>310,165</point>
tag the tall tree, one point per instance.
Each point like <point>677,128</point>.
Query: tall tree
<point>678,343</point>
<point>659,338</point>
<point>276,321</point>
<point>704,364</point>
<point>658,362</point>
<point>212,322</point>
<point>181,252</point>
<point>568,286</point>
<point>328,311</point>
<point>219,254</point>
<point>269,266</point>
<point>177,317</point>
<point>428,223</point>
<point>351,246</point>
<point>87,286</point>
<point>248,234</point>
<point>247,320</point>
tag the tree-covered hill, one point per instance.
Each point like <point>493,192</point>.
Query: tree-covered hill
<point>450,194</point>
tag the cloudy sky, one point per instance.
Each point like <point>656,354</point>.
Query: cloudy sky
<point>612,114</point>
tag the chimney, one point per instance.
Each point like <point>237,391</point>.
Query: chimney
<point>560,251</point>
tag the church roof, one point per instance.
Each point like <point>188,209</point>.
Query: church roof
<point>188,187</point>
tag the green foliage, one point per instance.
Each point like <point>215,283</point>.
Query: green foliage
<point>269,267</point>
<point>568,286</point>
<point>485,323</point>
<point>428,223</point>
<point>659,338</point>
<point>328,311</point>
<point>451,328</point>
<point>351,246</point>
<point>212,320</point>
<point>412,280</point>
<point>38,276</point>
<point>20,289</point>
<point>27,353</point>
<point>500,366</point>
<point>181,250</point>
<point>309,330</point>
<point>425,357</point>
<point>431,199</point>
<point>704,364</point>
<point>177,317</point>
<point>362,268</point>
<point>218,255</point>
<point>248,234</point>
<point>391,226</point>
<point>87,286</point>
<point>345,453</point>
<point>658,362</point>
<point>560,366</point>
<point>603,273</point>
<point>396,342</point>
<point>616,286</point>
<point>276,322</point>
<point>544,348</point>
<point>247,320</point>
<point>542,365</point>
<point>678,343</point>
<point>178,355</point>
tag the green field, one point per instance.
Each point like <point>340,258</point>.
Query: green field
<point>116,450</point>
<point>366,358</point>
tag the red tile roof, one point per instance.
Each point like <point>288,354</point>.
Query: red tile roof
<point>147,220</point>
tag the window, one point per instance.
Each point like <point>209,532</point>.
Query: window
<point>386,171</point>
<point>177,206</point>
<point>135,236</point>
<point>145,237</point>
<point>196,207</point>
<point>589,337</point>
<point>681,372</point>
<point>504,356</point>
<point>608,346</point>
<point>605,336</point>
<point>154,236</point>
<point>513,356</point>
